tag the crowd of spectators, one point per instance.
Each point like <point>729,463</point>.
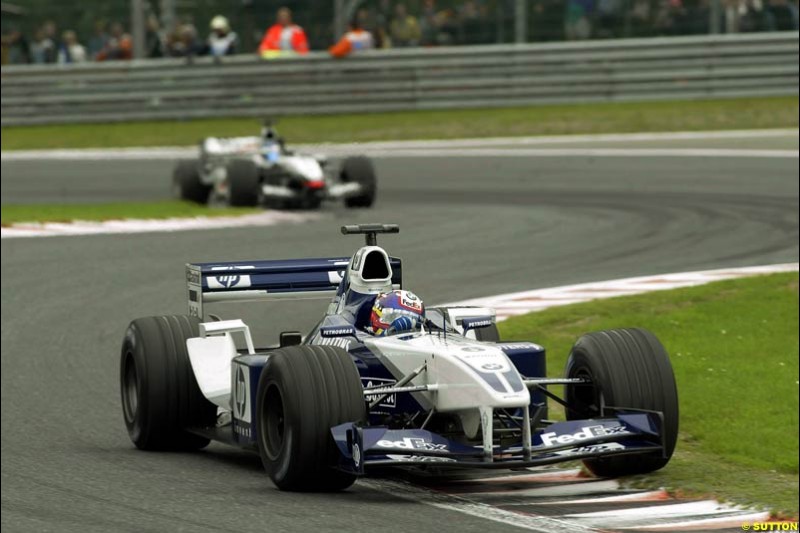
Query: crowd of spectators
<point>112,41</point>
<point>392,24</point>
<point>585,19</point>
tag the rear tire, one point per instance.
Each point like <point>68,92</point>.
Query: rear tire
<point>160,396</point>
<point>629,368</point>
<point>303,392</point>
<point>360,170</point>
<point>243,183</point>
<point>186,184</point>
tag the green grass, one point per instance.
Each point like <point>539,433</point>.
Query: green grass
<point>12,214</point>
<point>446,124</point>
<point>734,348</point>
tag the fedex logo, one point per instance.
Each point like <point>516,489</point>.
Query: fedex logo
<point>414,443</point>
<point>589,432</point>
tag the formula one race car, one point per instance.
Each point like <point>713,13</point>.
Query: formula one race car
<point>323,408</point>
<point>250,171</point>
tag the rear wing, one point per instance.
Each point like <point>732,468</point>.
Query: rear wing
<point>295,279</point>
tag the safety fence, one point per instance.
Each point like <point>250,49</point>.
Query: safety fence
<point>760,64</point>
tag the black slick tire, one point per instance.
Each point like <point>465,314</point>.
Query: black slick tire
<point>160,396</point>
<point>186,184</point>
<point>628,368</point>
<point>303,392</point>
<point>360,170</point>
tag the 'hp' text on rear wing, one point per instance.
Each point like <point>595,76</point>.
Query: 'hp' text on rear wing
<point>268,280</point>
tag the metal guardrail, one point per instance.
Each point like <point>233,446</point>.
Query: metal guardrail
<point>406,79</point>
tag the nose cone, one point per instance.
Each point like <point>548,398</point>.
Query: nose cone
<point>468,374</point>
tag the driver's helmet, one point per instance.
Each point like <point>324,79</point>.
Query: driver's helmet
<point>270,144</point>
<point>396,312</point>
<point>268,132</point>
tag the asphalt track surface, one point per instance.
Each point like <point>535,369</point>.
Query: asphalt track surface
<point>470,227</point>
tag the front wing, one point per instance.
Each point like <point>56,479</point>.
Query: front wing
<point>626,433</point>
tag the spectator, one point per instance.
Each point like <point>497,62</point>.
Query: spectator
<point>438,27</point>
<point>119,45</point>
<point>548,20</point>
<point>99,40</point>
<point>43,48</point>
<point>372,21</point>
<point>154,40</point>
<point>383,17</point>
<point>222,41</point>
<point>781,15</point>
<point>474,26</point>
<point>16,50</point>
<point>610,19</point>
<point>447,24</point>
<point>71,51</point>
<point>283,37</point>
<point>752,16</point>
<point>184,42</point>
<point>428,23</point>
<point>356,40</point>
<point>404,28</point>
<point>51,35</point>
<point>577,24</point>
<point>640,19</point>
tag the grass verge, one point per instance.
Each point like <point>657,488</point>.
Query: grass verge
<point>12,214</point>
<point>734,349</point>
<point>745,113</point>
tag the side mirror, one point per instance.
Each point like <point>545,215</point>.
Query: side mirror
<point>476,322</point>
<point>337,331</point>
<point>290,338</point>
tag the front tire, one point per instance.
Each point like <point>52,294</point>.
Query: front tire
<point>627,368</point>
<point>303,392</point>
<point>243,183</point>
<point>160,396</point>
<point>360,170</point>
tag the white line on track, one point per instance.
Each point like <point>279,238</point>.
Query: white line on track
<point>724,522</point>
<point>588,152</point>
<point>497,146</point>
<point>535,476</point>
<point>647,496</point>
<point>562,139</point>
<point>637,517</point>
<point>451,502</point>
<point>519,303</point>
<point>600,486</point>
<point>109,227</point>
<point>428,152</point>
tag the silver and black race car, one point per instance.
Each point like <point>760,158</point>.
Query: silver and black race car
<point>322,409</point>
<point>252,171</point>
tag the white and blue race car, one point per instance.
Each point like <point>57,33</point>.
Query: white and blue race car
<point>322,409</point>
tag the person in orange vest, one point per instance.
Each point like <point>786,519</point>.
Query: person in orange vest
<point>283,37</point>
<point>356,40</point>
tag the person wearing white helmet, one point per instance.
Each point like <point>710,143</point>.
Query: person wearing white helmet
<point>222,41</point>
